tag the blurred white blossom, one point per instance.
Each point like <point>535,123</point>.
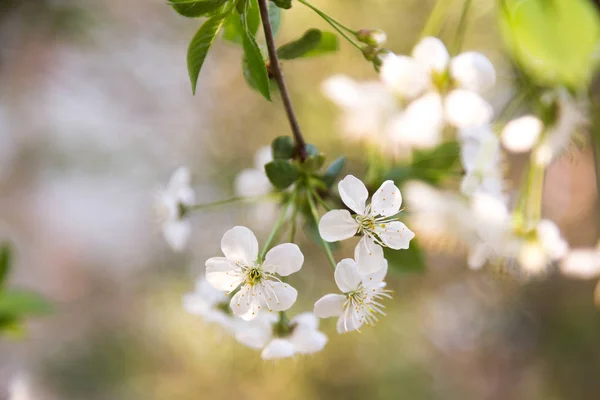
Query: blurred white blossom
<point>303,338</point>
<point>253,181</point>
<point>376,222</point>
<point>170,205</point>
<point>522,134</point>
<point>210,304</point>
<point>582,263</point>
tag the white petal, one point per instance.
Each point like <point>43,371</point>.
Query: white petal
<point>181,178</point>
<point>404,76</point>
<point>306,320</point>
<point>347,276</point>
<point>278,349</point>
<point>252,182</point>
<point>349,322</point>
<point>473,71</point>
<point>244,305</point>
<point>337,225</point>
<point>421,124</point>
<point>375,280</point>
<point>343,91</point>
<point>478,256</point>
<point>465,109</point>
<point>387,200</point>
<point>284,259</point>
<point>368,256</point>
<point>263,156</point>
<point>308,341</point>
<point>354,193</point>
<point>330,305</point>
<point>394,234</point>
<point>279,296</point>
<point>177,234</point>
<point>521,134</point>
<point>431,53</point>
<point>193,303</point>
<point>240,245</point>
<point>582,263</point>
<point>222,274</point>
<point>254,334</point>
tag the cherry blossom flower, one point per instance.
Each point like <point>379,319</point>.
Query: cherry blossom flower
<point>260,288</point>
<point>210,304</point>
<point>547,246</point>
<point>170,206</point>
<point>359,302</point>
<point>436,91</point>
<point>367,108</point>
<point>303,338</point>
<point>522,134</point>
<point>253,181</point>
<point>376,222</point>
<point>582,263</point>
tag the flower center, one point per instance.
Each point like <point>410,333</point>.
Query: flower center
<point>254,275</point>
<point>366,223</point>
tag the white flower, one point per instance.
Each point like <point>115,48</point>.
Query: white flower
<point>420,125</point>
<point>260,287</point>
<point>367,107</point>
<point>521,134</point>
<point>404,76</point>
<point>253,181</point>
<point>210,304</point>
<point>466,109</point>
<point>473,71</point>
<point>431,54</point>
<point>360,302</point>
<point>304,338</point>
<point>170,206</point>
<point>480,156</point>
<point>582,263</point>
<point>547,246</point>
<point>376,222</point>
<point>255,333</point>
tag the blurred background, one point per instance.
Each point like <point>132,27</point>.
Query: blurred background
<point>96,112</point>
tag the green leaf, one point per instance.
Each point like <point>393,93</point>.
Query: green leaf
<point>285,4</point>
<point>281,173</point>
<point>200,45</point>
<point>312,43</point>
<point>409,260</point>
<point>552,40</point>
<point>274,18</point>
<point>333,171</point>
<point>5,261</point>
<point>256,63</point>
<point>283,148</point>
<point>311,149</point>
<point>19,303</point>
<point>198,8</point>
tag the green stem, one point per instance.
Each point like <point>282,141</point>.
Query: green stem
<point>315,215</point>
<point>436,18</point>
<point>338,26</point>
<point>320,200</point>
<point>250,199</point>
<point>461,28</point>
<point>293,226</point>
<point>275,229</point>
<point>530,204</point>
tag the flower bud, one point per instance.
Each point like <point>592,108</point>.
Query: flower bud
<point>372,37</point>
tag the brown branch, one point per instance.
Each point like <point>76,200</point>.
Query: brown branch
<point>275,68</point>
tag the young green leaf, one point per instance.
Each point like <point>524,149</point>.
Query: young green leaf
<point>200,45</point>
<point>554,41</point>
<point>285,4</point>
<point>409,260</point>
<point>5,261</point>
<point>19,303</point>
<point>333,171</point>
<point>197,8</point>
<point>281,173</point>
<point>283,148</point>
<point>274,17</point>
<point>312,43</point>
<point>257,67</point>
